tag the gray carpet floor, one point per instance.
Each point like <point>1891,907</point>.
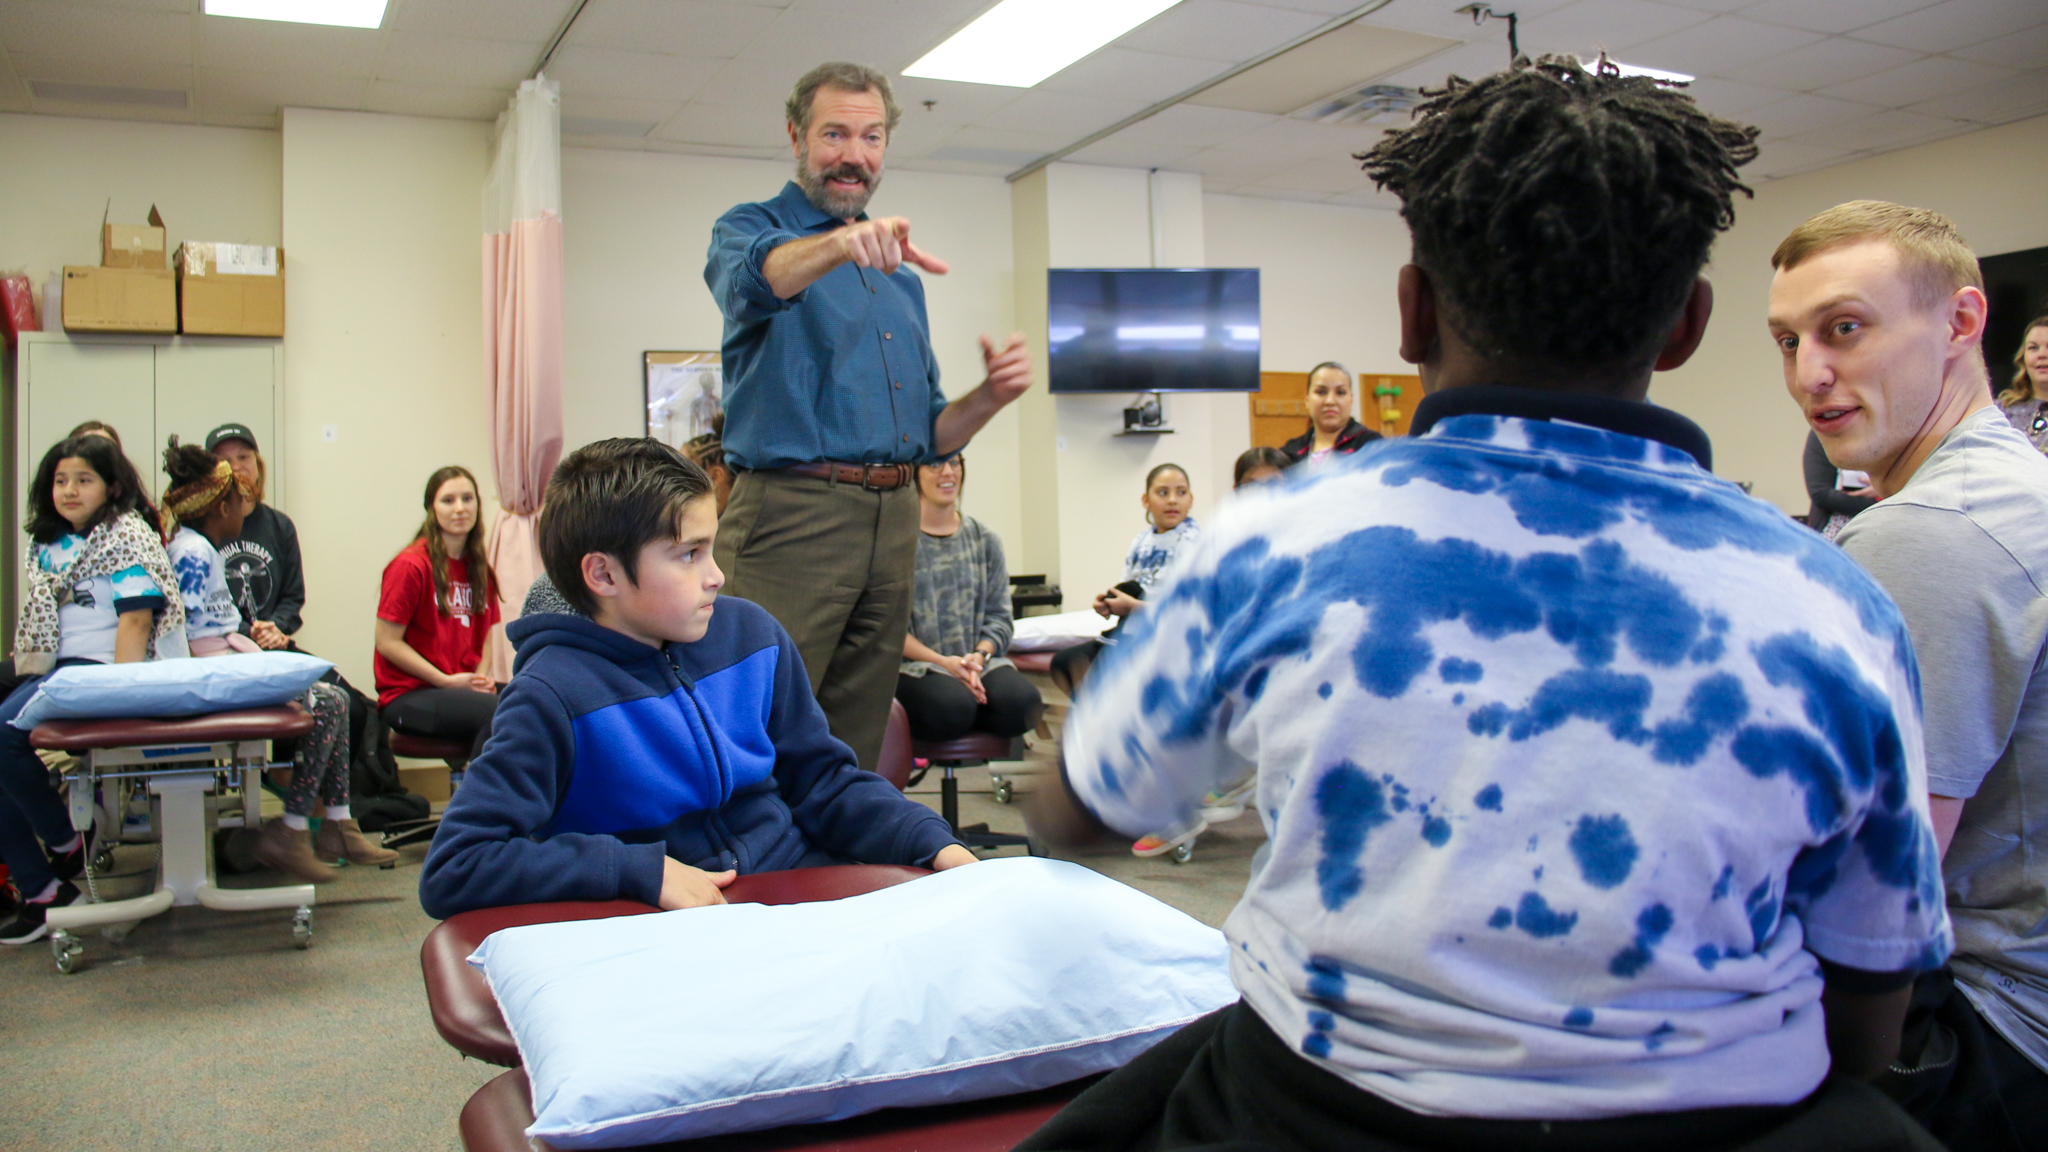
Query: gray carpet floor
<point>208,1030</point>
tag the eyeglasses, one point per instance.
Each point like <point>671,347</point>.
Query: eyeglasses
<point>950,463</point>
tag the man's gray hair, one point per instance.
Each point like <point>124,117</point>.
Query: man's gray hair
<point>847,78</point>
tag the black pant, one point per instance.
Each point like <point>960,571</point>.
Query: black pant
<point>1227,1082</point>
<point>444,714</point>
<point>941,707</point>
<point>1966,1083</point>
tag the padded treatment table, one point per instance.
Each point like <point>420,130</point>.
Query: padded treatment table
<point>496,1117</point>
<point>181,760</point>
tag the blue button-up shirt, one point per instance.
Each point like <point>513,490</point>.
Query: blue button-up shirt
<point>843,370</point>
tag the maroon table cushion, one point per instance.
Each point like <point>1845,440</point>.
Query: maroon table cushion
<point>1032,661</point>
<point>496,1118</point>
<point>283,722</point>
<point>466,1014</point>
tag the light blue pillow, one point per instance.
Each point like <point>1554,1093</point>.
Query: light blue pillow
<point>171,687</point>
<point>990,979</point>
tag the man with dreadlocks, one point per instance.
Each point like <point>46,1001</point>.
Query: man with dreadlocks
<point>1587,779</point>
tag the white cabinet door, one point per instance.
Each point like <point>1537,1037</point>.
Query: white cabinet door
<point>71,383</point>
<point>200,387</point>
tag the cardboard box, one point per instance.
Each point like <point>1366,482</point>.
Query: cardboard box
<point>134,245</point>
<point>230,289</point>
<point>120,300</point>
<point>430,782</point>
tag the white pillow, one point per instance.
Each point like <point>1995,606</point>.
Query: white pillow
<point>1061,630</point>
<point>171,687</point>
<point>985,980</point>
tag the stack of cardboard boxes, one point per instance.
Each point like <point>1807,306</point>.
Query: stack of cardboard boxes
<point>216,289</point>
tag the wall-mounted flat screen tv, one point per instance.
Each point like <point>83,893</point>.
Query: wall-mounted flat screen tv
<point>1153,329</point>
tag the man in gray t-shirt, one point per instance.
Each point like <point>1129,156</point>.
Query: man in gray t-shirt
<point>1879,311</point>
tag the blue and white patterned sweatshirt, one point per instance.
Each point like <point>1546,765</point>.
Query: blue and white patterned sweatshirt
<point>1572,760</point>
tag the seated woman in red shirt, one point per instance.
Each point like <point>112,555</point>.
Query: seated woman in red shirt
<point>439,602</point>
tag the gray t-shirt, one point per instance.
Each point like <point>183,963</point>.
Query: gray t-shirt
<point>1963,549</point>
<point>962,595</point>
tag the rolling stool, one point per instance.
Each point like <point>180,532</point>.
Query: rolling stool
<point>970,751</point>
<point>454,752</point>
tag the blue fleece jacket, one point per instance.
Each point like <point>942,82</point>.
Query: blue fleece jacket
<point>606,754</point>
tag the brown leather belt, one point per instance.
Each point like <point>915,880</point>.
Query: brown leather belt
<point>873,477</point>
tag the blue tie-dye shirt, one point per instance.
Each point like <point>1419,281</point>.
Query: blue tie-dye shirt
<point>1572,758</point>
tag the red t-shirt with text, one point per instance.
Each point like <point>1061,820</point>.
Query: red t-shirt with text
<point>454,643</point>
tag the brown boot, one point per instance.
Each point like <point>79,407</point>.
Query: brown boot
<point>287,849</point>
<point>344,840</point>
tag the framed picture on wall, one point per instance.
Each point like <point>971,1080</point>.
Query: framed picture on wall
<point>683,395</point>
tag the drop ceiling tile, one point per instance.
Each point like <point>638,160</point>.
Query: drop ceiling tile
<point>632,75</point>
<point>680,27</point>
<point>530,21</point>
<point>1803,113</point>
<point>1221,168</point>
<point>653,145</point>
<point>764,82</point>
<point>270,120</point>
<point>13,93</point>
<point>61,28</point>
<point>1195,124</point>
<point>1615,25</point>
<point>1437,18</point>
<point>2025,94</point>
<point>952,103</point>
<point>1060,113</point>
<point>947,15</point>
<point>1780,158</point>
<point>1219,30</point>
<point>432,100</point>
<point>950,165</point>
<point>1123,73</point>
<point>182,6</point>
<point>1830,16</point>
<point>1121,153</point>
<point>241,92</point>
<point>163,72</point>
<point>1010,140</point>
<point>1335,176</point>
<point>276,47</point>
<point>2023,49</point>
<point>1728,99</point>
<point>609,108</point>
<point>1723,42</point>
<point>1882,131</point>
<point>756,125</point>
<point>461,63</point>
<point>1926,79</point>
<point>1821,64</point>
<point>1711,5</point>
<point>1956,23</point>
<point>807,39</point>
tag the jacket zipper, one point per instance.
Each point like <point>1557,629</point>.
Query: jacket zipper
<point>717,760</point>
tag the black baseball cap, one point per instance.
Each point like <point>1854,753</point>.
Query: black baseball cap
<point>230,432</point>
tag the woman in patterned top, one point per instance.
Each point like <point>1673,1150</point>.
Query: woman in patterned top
<point>955,678</point>
<point>2025,400</point>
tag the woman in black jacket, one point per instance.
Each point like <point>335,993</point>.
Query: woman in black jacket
<point>1331,430</point>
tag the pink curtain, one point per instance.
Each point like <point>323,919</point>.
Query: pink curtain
<point>522,266</point>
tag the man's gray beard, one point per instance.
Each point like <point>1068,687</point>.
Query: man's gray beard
<point>844,207</point>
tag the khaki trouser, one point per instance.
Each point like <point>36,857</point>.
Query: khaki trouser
<point>835,564</point>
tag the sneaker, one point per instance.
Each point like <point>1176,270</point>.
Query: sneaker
<point>68,865</point>
<point>1223,806</point>
<point>32,922</point>
<point>1158,844</point>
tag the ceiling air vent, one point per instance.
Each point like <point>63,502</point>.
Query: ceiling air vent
<point>1370,104</point>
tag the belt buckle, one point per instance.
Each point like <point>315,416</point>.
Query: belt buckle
<point>867,474</point>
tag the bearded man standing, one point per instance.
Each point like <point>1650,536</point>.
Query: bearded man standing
<point>832,399</point>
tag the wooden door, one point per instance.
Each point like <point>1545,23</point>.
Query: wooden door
<point>1387,403</point>
<point>1279,408</point>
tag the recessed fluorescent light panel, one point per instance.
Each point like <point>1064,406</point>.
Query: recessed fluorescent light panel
<point>1017,43</point>
<point>339,13</point>
<point>1652,73</point>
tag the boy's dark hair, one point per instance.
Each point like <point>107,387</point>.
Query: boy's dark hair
<point>614,496</point>
<point>1562,214</point>
<point>1263,456</point>
<point>124,487</point>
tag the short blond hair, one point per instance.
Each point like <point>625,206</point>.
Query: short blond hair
<point>1934,253</point>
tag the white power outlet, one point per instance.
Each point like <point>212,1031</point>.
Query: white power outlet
<point>1059,443</point>
<point>330,433</point>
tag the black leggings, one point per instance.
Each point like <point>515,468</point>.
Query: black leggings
<point>444,714</point>
<point>1967,1083</point>
<point>941,707</point>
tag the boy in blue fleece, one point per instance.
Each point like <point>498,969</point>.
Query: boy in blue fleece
<point>660,742</point>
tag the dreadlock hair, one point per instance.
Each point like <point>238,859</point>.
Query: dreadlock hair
<point>187,463</point>
<point>1561,214</point>
<point>482,581</point>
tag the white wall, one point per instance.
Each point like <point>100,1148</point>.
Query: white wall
<point>635,229</point>
<point>58,174</point>
<point>1990,183</point>
<point>383,222</point>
